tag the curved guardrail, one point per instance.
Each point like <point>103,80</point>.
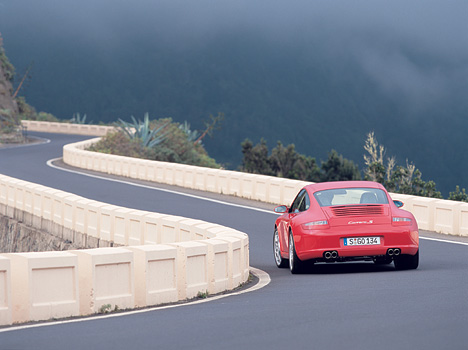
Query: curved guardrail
<point>161,258</point>
<point>442,216</point>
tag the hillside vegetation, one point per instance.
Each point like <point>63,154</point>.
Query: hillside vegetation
<point>162,140</point>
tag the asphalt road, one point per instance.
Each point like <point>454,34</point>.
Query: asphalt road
<point>352,306</point>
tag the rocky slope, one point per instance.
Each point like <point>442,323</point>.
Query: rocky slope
<point>6,89</point>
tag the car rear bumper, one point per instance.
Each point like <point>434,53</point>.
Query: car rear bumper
<point>314,244</point>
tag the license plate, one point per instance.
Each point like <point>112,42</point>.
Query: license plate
<point>362,241</point>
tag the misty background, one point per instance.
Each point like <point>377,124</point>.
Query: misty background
<point>319,74</point>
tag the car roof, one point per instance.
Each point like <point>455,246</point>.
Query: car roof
<point>320,186</point>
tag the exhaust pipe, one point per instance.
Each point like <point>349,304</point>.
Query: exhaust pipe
<point>394,251</point>
<point>330,255</point>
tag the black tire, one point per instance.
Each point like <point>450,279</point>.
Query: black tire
<point>295,264</point>
<point>406,262</point>
<point>279,260</point>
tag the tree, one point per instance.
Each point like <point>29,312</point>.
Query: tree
<point>375,170</point>
<point>286,162</point>
<point>282,159</point>
<point>306,169</point>
<point>212,124</point>
<point>338,168</point>
<point>256,158</point>
<point>395,178</point>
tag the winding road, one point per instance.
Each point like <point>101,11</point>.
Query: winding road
<point>352,306</point>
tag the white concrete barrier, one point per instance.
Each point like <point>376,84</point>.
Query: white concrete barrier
<point>67,128</point>
<point>251,186</point>
<point>432,214</point>
<point>170,258</point>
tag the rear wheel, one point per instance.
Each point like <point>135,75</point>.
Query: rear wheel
<point>295,265</point>
<point>406,262</point>
<point>279,260</point>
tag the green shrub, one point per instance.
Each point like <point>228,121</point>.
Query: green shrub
<point>458,195</point>
<point>25,110</point>
<point>286,162</point>
<point>174,147</point>
<point>46,117</point>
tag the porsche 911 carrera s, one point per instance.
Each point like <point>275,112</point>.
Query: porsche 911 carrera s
<point>345,221</point>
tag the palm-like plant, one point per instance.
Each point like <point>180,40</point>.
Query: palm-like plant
<point>142,131</point>
<point>192,135</point>
<point>77,119</point>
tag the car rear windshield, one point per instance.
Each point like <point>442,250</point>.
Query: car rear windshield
<point>351,196</point>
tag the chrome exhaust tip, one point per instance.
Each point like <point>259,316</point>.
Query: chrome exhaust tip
<point>396,251</point>
<point>334,254</point>
<point>390,252</point>
<point>327,255</point>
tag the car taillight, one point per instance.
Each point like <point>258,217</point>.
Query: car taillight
<point>401,221</point>
<point>314,225</point>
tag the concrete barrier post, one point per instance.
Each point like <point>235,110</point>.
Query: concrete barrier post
<point>152,228</point>
<point>4,190</point>
<point>187,230</point>
<point>423,210</point>
<point>447,217</point>
<point>93,218</point>
<point>5,291</point>
<point>463,220</point>
<point>212,180</point>
<point>218,265</point>
<point>156,274</point>
<point>136,226</point>
<point>244,250</point>
<point>202,230</point>
<point>196,269</point>
<point>44,285</point>
<point>106,277</point>
<point>170,229</point>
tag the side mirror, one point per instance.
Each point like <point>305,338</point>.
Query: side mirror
<point>398,204</point>
<point>281,209</point>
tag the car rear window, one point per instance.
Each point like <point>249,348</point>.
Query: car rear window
<point>351,196</point>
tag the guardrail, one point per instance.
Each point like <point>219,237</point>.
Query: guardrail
<point>67,128</point>
<point>443,216</point>
<point>161,259</point>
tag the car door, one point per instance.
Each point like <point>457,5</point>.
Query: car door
<point>297,207</point>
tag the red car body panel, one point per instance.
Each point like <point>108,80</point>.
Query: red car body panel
<point>347,221</point>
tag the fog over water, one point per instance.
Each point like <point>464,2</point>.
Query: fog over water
<point>320,74</point>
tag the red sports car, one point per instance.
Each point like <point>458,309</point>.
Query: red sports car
<point>345,221</point>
